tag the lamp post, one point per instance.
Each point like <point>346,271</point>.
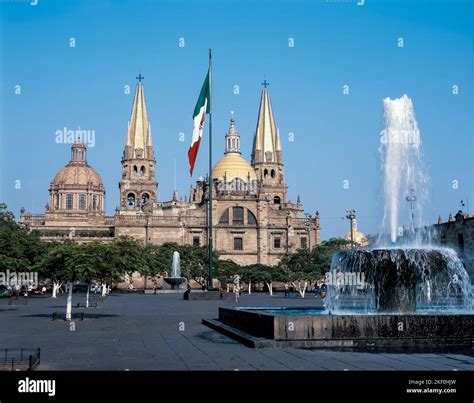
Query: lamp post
<point>351,215</point>
<point>288,216</point>
<point>411,198</point>
<point>308,228</point>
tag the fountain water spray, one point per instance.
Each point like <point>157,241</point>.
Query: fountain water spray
<point>175,280</point>
<point>411,274</point>
<point>403,171</point>
<point>176,266</point>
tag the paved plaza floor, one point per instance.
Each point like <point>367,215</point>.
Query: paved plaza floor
<point>164,332</point>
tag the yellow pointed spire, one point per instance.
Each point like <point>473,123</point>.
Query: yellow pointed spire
<point>266,141</point>
<point>139,130</point>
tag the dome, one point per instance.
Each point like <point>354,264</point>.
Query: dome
<point>359,238</point>
<point>77,174</point>
<point>77,187</point>
<point>234,166</point>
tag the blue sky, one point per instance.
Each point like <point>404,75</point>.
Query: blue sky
<point>335,135</point>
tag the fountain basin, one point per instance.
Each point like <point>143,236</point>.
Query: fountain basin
<point>174,282</point>
<point>313,327</point>
<point>397,279</point>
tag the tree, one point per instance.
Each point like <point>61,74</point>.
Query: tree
<point>110,272</point>
<point>88,262</point>
<point>59,264</point>
<point>193,261</point>
<point>20,249</point>
<point>226,272</point>
<point>155,262</point>
<point>52,265</point>
<point>127,256</point>
<point>304,268</point>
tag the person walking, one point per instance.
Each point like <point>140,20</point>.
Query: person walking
<point>287,290</point>
<point>237,292</point>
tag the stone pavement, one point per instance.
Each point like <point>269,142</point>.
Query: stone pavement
<point>164,332</point>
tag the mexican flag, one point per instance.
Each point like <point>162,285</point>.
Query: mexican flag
<point>199,116</point>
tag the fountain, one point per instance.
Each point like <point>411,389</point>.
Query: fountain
<point>403,292</point>
<point>411,274</point>
<point>398,280</point>
<point>175,280</point>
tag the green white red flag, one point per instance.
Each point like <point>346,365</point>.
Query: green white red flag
<point>199,116</point>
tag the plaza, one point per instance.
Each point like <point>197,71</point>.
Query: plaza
<point>165,332</point>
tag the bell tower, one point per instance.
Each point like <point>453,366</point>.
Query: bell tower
<point>266,154</point>
<point>138,185</point>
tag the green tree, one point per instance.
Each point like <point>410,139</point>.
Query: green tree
<point>126,257</point>
<point>88,261</point>
<point>52,265</point>
<point>194,261</point>
<point>304,267</point>
<point>20,249</point>
<point>226,271</point>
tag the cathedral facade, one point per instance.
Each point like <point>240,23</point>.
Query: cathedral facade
<point>253,220</point>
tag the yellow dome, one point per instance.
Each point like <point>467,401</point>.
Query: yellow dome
<point>77,174</point>
<point>359,238</point>
<point>234,166</point>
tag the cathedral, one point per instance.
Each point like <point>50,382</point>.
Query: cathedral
<point>254,221</point>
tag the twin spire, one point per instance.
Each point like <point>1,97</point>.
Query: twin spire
<point>139,141</point>
<point>266,145</point>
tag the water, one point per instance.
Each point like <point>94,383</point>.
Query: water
<point>286,311</point>
<point>176,266</point>
<point>411,274</point>
<point>399,280</point>
<point>405,179</point>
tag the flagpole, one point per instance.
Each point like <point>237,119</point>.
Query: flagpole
<point>211,185</point>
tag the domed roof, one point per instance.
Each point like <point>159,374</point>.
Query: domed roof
<point>78,171</point>
<point>78,174</point>
<point>359,237</point>
<point>234,166</point>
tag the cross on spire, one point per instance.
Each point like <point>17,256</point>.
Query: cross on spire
<point>140,77</point>
<point>265,83</point>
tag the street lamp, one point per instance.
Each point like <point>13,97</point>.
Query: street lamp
<point>351,215</point>
<point>308,228</point>
<point>411,198</point>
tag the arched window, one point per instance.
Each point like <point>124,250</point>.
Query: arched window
<point>94,202</point>
<point>135,169</point>
<point>69,200</point>
<point>145,198</point>
<point>265,173</point>
<point>251,220</point>
<point>142,170</point>
<point>238,215</point>
<point>273,173</point>
<point>277,200</point>
<point>56,201</point>
<point>131,200</point>
<point>224,217</point>
<point>82,201</point>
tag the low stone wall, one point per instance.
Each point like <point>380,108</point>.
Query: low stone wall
<point>458,328</point>
<point>254,323</point>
